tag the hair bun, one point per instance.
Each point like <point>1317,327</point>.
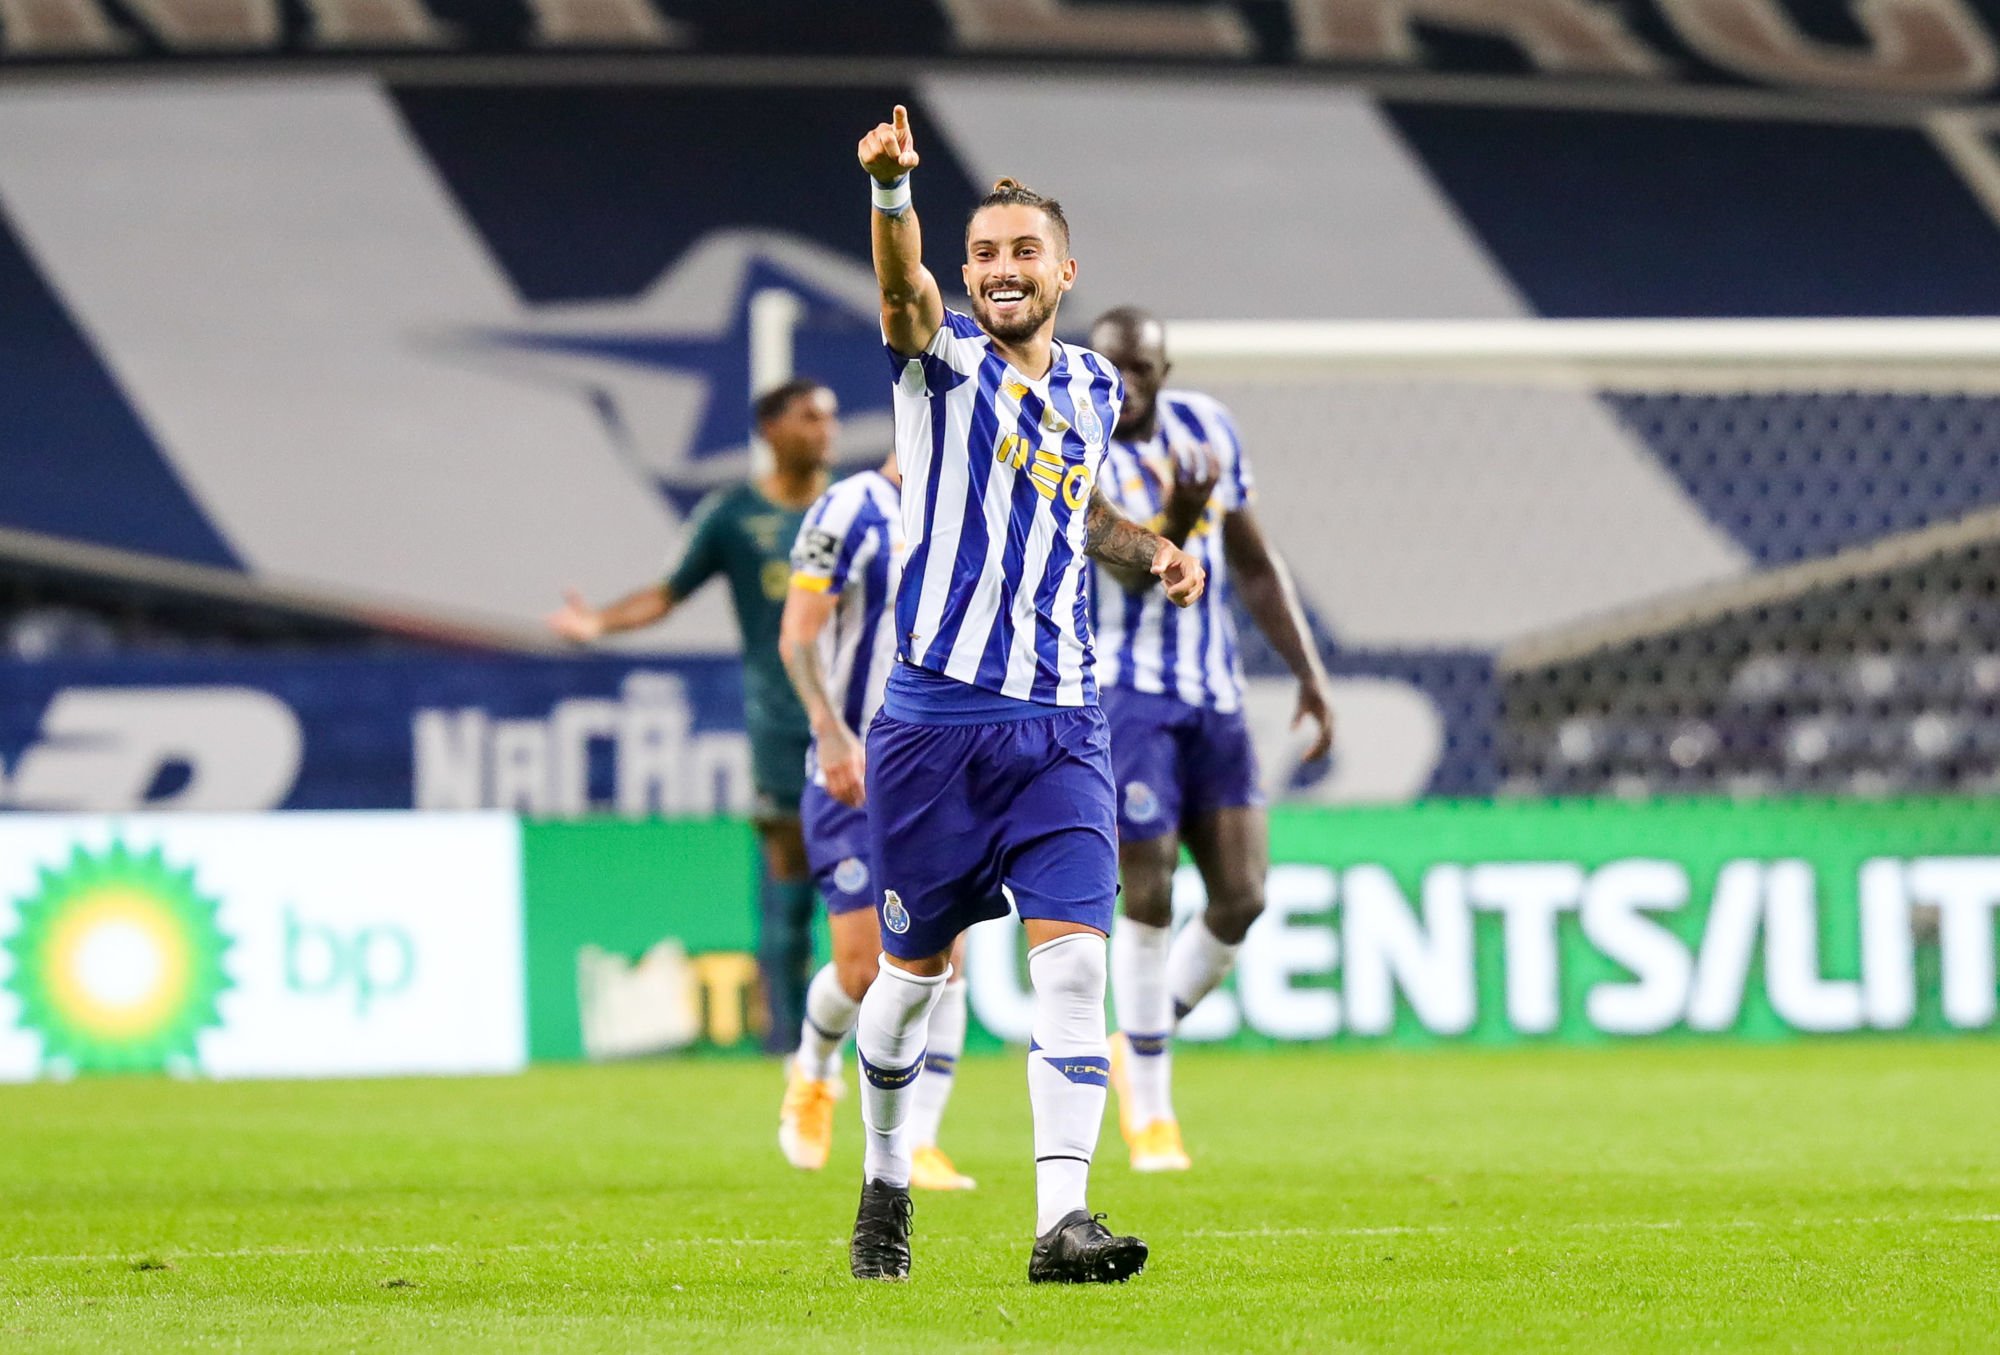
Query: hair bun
<point>1007,186</point>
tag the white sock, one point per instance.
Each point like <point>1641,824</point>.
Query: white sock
<point>1196,964</point>
<point>1145,1015</point>
<point>1068,1066</point>
<point>830,1014</point>
<point>947,1042</point>
<point>889,1037</point>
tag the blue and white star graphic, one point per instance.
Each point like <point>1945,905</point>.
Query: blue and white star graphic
<point>669,371</point>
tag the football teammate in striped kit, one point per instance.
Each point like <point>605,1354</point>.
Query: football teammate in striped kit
<point>989,767</point>
<point>1173,693</point>
<point>837,640</point>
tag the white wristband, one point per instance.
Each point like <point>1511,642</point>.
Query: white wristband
<point>892,198</point>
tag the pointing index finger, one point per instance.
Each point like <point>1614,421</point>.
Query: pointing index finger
<point>901,119</point>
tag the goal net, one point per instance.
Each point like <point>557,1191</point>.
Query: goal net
<point>1703,556</point>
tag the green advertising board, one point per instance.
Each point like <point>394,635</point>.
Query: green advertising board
<point>1445,921</point>
<point>639,936</point>
<point>1602,920</point>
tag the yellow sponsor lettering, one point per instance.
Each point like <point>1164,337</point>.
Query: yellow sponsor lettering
<point>728,982</point>
<point>1076,485</point>
<point>1046,472</point>
<point>1012,451</point>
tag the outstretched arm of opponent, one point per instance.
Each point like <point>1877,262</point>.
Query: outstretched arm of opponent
<point>912,305</point>
<point>580,623</point>
<point>1265,586</point>
<point>1122,545</point>
<point>840,753</point>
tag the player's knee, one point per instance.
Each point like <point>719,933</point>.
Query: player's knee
<point>1070,970</point>
<point>1148,893</point>
<point>857,953</point>
<point>784,850</point>
<point>1233,909</point>
<point>854,971</point>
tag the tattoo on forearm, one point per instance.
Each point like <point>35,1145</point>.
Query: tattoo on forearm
<point>1115,539</point>
<point>803,665</point>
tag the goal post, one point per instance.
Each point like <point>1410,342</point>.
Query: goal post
<point>1887,344</point>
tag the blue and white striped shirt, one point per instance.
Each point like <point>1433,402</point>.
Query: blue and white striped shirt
<point>1150,645</point>
<point>851,546</point>
<point>997,477</point>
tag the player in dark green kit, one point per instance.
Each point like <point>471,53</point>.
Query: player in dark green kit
<point>746,533</point>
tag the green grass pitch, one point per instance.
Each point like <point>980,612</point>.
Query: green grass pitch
<point>1808,1197</point>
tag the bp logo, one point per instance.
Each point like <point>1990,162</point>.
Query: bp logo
<point>117,962</point>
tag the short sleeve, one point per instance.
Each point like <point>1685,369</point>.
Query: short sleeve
<point>946,359</point>
<point>702,559</point>
<point>1123,483</point>
<point>830,540</point>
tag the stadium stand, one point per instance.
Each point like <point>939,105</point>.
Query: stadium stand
<point>1870,677</point>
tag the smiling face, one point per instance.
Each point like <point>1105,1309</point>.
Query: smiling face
<point>1017,268</point>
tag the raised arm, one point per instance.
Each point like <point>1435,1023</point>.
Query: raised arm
<point>1265,586</point>
<point>1115,540</point>
<point>912,305</point>
<point>840,753</point>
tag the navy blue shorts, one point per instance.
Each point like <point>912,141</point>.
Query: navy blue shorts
<point>958,810</point>
<point>1174,763</point>
<point>836,850</point>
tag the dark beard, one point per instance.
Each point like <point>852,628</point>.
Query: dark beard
<point>1016,330</point>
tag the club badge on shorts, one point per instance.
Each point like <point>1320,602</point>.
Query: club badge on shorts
<point>1141,805</point>
<point>894,915</point>
<point>851,875</point>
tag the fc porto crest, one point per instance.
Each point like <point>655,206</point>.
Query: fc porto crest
<point>851,875</point>
<point>1088,424</point>
<point>894,915</point>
